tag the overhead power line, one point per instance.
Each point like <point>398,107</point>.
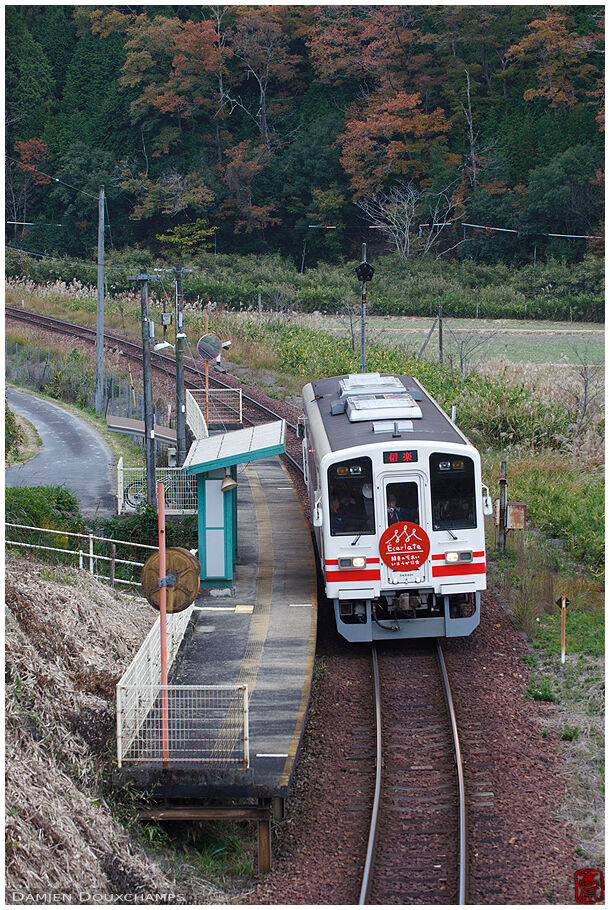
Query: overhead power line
<point>490,227</point>
<point>30,167</point>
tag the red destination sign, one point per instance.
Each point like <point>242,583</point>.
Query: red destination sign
<point>404,547</point>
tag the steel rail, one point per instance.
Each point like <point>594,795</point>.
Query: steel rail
<point>462,828</point>
<point>370,852</point>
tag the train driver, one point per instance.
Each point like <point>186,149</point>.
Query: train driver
<point>337,516</point>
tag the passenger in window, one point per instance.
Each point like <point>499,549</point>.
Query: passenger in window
<point>337,518</point>
<point>409,510</point>
<point>393,510</point>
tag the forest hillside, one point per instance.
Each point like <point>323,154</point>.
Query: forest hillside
<point>253,129</point>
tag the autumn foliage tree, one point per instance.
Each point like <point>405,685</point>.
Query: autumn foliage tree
<point>269,119</point>
<point>560,54</point>
<point>21,175</point>
<point>389,138</point>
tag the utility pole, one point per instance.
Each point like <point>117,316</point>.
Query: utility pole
<point>99,335</point>
<point>149,417</point>
<point>440,333</point>
<point>502,527</point>
<point>180,395</point>
<point>364,273</point>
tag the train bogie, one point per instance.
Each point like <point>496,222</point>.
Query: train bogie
<point>397,505</point>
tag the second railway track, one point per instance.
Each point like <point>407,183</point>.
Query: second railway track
<point>417,845</point>
<point>254,410</point>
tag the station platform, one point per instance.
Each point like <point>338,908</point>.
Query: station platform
<point>261,632</point>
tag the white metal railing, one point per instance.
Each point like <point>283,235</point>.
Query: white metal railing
<point>180,489</point>
<point>224,406</point>
<point>85,556</point>
<point>140,684</point>
<point>120,487</point>
<point>205,725</point>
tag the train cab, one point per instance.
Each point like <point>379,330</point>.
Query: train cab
<point>397,506</point>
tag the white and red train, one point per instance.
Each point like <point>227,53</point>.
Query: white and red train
<point>397,504</point>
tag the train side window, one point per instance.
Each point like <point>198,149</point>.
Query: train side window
<point>350,494</point>
<point>452,492</point>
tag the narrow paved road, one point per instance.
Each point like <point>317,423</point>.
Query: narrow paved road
<point>73,455</point>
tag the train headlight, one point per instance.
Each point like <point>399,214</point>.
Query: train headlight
<point>455,556</point>
<point>352,562</point>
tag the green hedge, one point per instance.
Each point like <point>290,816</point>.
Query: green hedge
<point>13,434</point>
<point>551,290</point>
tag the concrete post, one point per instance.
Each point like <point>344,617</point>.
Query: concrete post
<point>99,336</point>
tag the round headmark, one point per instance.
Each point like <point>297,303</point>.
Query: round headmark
<point>404,546</point>
<point>209,346</point>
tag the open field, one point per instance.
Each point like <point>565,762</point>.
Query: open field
<point>512,340</point>
<point>516,341</point>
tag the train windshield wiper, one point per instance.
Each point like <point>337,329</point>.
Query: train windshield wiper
<point>356,539</point>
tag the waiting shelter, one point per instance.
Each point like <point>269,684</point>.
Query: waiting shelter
<point>214,461</point>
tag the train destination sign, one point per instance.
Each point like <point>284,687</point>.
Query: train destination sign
<point>404,546</point>
<point>209,346</point>
<point>397,457</point>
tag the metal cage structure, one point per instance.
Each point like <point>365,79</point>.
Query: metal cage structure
<point>224,406</point>
<point>205,724</point>
<point>180,489</point>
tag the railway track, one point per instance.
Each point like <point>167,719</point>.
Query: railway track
<point>254,411</point>
<point>417,843</point>
<point>414,852</point>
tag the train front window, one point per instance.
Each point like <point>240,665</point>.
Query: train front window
<point>452,491</point>
<point>350,494</point>
<point>402,502</point>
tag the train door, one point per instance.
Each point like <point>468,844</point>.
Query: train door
<point>403,501</point>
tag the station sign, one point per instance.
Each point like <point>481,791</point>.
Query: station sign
<point>404,546</point>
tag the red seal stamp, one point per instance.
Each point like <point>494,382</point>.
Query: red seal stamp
<point>404,546</point>
<point>589,886</point>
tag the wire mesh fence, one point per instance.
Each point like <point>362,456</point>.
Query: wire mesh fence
<point>223,406</point>
<point>180,489</point>
<point>182,724</point>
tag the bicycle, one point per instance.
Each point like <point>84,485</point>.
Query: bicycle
<point>136,493</point>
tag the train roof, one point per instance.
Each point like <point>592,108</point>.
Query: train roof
<point>366,408</point>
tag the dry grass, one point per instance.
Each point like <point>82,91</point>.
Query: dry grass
<point>29,446</point>
<point>577,720</point>
<point>68,639</point>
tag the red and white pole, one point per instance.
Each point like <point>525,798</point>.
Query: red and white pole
<point>163,624</point>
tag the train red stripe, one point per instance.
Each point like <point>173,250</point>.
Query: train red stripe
<point>470,569</point>
<point>355,575</point>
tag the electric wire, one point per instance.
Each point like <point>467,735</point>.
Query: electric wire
<point>31,168</point>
